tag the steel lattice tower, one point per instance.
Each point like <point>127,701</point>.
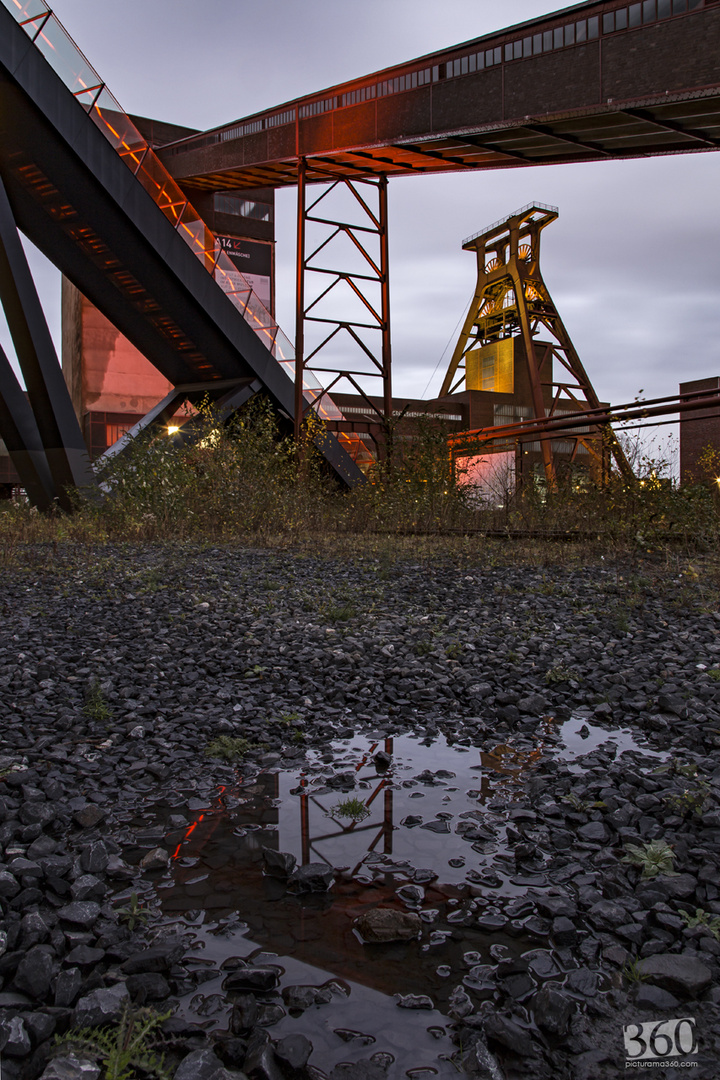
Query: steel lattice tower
<point>511,300</point>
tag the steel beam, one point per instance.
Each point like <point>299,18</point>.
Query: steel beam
<point>65,449</point>
<point>22,438</point>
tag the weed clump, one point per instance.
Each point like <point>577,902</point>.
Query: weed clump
<point>229,748</point>
<point>352,808</point>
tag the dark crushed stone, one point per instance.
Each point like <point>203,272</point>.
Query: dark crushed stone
<point>477,653</point>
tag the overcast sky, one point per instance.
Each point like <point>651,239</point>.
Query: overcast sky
<point>633,263</point>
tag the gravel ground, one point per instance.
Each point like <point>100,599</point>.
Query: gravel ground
<point>118,666</point>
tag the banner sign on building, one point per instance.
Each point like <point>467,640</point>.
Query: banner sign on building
<point>254,261</point>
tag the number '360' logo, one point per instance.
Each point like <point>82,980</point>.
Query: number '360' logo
<point>660,1039</point>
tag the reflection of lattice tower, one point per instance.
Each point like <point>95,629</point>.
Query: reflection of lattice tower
<point>511,301</point>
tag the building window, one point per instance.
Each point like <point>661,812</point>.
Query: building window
<point>245,208</point>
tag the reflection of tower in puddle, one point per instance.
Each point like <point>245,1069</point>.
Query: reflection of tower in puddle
<point>382,829</point>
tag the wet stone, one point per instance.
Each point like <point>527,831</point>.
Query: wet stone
<point>293,1052</point>
<point>101,1007</point>
<point>35,972</point>
<point>653,997</point>
<point>278,863</point>
<point>414,1001</point>
<point>552,1010</point>
<point>14,1039</point>
<point>313,877</point>
<point>84,913</point>
<point>157,859</point>
<point>71,1067</point>
<point>252,979</point>
<point>676,973</point>
<point>386,924</point>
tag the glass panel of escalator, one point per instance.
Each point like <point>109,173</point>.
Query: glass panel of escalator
<point>119,130</point>
<point>161,187</point>
<point>22,10</point>
<point>64,57</point>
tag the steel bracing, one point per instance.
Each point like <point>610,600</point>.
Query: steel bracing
<point>367,335</point>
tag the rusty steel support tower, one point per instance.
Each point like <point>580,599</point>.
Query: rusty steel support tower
<point>511,301</point>
<point>324,268</point>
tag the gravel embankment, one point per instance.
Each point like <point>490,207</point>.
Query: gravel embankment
<point>118,666</point>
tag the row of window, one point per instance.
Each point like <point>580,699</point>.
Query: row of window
<point>560,37</point>
<point>575,33</point>
<point>315,108</point>
<point>645,12</point>
<point>246,208</point>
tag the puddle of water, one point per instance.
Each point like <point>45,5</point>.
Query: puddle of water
<point>431,838</point>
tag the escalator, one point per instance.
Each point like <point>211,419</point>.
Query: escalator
<point>86,188</point>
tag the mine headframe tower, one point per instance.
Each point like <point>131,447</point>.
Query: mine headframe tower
<point>511,301</point>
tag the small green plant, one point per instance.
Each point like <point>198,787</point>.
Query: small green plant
<point>583,804</point>
<point>288,718</point>
<point>134,914</point>
<point>254,671</point>
<point>228,747</point>
<point>453,651</point>
<point>561,674</point>
<point>690,802</point>
<point>702,918</point>
<point>631,971</point>
<point>655,858</point>
<point>126,1049</point>
<point>95,707</point>
<point>677,767</point>
<point>341,612</point>
<point>714,673</point>
<point>352,808</point>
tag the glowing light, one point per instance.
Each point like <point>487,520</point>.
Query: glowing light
<point>173,429</point>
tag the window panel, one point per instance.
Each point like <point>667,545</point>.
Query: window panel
<point>527,46</point>
<point>649,11</point>
<point>570,34</point>
<point>480,61</point>
<point>678,7</point>
<point>621,19</point>
<point>694,4</point>
<point>558,37</point>
<point>472,62</point>
<point>537,43</point>
<point>489,58</point>
<point>497,54</point>
<point>593,27</point>
<point>664,9</point>
<point>581,30</point>
<point>608,22</point>
<point>547,40</point>
<point>517,49</point>
<point>635,14</point>
<point>456,67</point>
<point>509,51</point>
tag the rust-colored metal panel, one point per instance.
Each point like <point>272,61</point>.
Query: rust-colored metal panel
<point>666,56</point>
<point>404,114</point>
<point>316,134</point>
<point>476,99</point>
<point>553,82</point>
<point>356,125</point>
<point>281,141</point>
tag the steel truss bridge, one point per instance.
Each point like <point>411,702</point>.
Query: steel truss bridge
<point>595,81</point>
